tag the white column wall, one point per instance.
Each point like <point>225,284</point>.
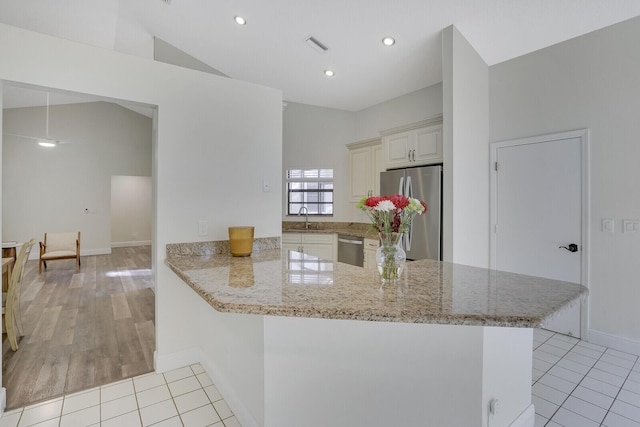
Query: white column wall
<point>465,152</point>
<point>232,352</point>
<point>3,391</point>
<point>348,373</point>
<point>216,139</point>
<point>508,357</point>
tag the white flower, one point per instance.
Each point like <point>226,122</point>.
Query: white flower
<point>385,206</point>
<point>415,206</point>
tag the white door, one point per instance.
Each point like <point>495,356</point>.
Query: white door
<point>538,210</point>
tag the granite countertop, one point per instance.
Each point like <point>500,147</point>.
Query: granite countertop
<point>287,283</point>
<point>356,229</point>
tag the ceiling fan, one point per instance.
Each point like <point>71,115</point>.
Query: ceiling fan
<point>47,141</point>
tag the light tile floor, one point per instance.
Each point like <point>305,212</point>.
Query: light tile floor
<point>183,397</point>
<point>579,384</point>
<point>575,384</point>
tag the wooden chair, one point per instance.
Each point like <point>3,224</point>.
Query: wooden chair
<point>11,301</point>
<point>59,246</point>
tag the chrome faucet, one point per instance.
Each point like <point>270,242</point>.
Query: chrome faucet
<point>306,211</point>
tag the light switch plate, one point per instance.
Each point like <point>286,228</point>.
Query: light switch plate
<point>203,228</point>
<point>608,225</point>
<point>631,225</point>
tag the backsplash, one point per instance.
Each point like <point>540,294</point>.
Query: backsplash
<point>317,225</point>
<point>217,247</point>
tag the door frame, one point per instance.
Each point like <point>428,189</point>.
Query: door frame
<point>583,135</point>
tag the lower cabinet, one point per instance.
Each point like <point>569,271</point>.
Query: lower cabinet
<point>370,247</point>
<point>322,245</point>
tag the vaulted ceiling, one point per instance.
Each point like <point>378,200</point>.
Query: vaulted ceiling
<point>271,49</point>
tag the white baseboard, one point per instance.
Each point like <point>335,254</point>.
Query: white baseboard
<point>526,419</point>
<point>218,377</point>
<point>168,362</point>
<point>98,251</point>
<point>3,400</point>
<point>612,341</point>
<point>132,243</point>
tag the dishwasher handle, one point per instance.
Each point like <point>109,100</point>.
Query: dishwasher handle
<point>351,242</point>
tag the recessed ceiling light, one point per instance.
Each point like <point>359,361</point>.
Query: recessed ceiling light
<point>239,20</point>
<point>329,73</point>
<point>388,41</point>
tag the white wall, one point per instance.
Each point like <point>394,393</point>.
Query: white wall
<point>48,189</point>
<point>315,137</point>
<point>403,110</point>
<point>203,123</point>
<point>589,82</point>
<point>3,391</point>
<point>465,152</point>
<point>131,210</point>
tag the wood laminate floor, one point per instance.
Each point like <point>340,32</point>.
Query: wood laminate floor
<point>82,329</point>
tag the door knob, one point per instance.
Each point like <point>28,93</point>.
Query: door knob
<point>572,247</point>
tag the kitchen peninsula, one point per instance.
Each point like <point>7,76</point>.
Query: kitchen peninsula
<point>294,340</point>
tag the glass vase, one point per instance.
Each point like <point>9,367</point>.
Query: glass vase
<point>390,257</point>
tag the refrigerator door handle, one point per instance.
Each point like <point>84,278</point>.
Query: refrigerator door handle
<point>401,186</point>
<point>409,234</point>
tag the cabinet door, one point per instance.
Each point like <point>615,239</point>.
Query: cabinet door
<point>369,259</point>
<point>378,166</point>
<point>296,247</point>
<point>321,245</point>
<point>291,242</point>
<point>397,149</point>
<point>370,246</point>
<point>291,238</point>
<point>360,169</point>
<point>428,146</point>
<point>323,251</point>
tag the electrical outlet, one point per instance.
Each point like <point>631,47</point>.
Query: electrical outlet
<point>494,406</point>
<point>203,228</point>
<point>630,226</point>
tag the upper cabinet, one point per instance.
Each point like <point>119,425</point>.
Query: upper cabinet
<point>365,165</point>
<point>413,145</point>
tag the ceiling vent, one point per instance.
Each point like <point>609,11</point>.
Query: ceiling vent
<point>316,45</point>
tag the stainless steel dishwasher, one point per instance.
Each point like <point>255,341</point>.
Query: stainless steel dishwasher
<point>351,250</point>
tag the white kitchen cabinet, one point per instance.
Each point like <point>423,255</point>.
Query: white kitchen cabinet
<point>322,245</point>
<point>370,247</point>
<point>365,165</point>
<point>414,145</point>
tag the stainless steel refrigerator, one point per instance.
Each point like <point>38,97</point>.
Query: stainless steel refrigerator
<point>424,238</point>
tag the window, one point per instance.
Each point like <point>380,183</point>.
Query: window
<point>311,189</point>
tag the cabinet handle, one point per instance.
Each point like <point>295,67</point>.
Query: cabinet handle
<point>413,155</point>
<point>409,155</point>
